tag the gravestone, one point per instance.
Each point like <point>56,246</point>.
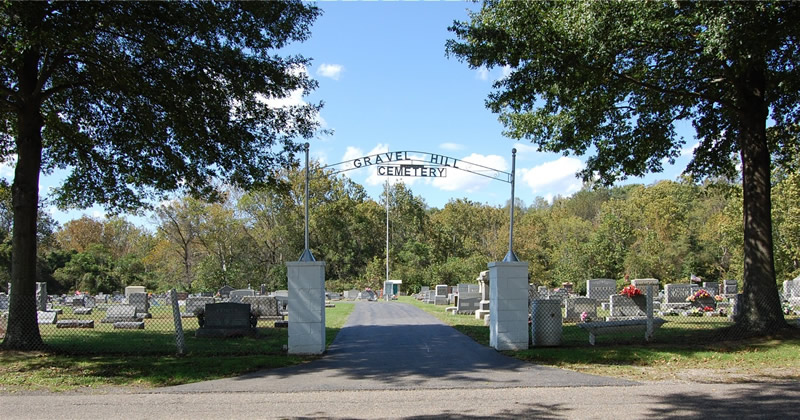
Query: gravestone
<point>206,294</point>
<point>225,291</point>
<point>142,304</point>
<point>3,302</point>
<point>182,296</point>
<point>622,306</point>
<point>791,289</point>
<point>77,300</point>
<point>351,294</point>
<point>237,295</point>
<point>89,301</point>
<point>263,291</point>
<point>226,319</point>
<point>41,296</point>
<point>711,287</point>
<point>82,311</point>
<point>560,295</point>
<point>44,317</point>
<point>120,313</point>
<point>75,323</point>
<point>134,289</point>
<point>264,307</point>
<point>129,325</point>
<point>468,303</point>
<point>429,297</point>
<point>574,307</point>
<point>484,289</point>
<point>677,293</point>
<point>441,295</point>
<point>730,287</point>
<point>601,289</point>
<point>196,305</point>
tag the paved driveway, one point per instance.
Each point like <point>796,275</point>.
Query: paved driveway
<point>391,345</point>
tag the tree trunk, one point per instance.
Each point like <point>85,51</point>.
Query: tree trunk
<point>760,306</point>
<point>23,330</point>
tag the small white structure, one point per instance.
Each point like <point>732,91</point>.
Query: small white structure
<point>133,289</point>
<point>391,288</point>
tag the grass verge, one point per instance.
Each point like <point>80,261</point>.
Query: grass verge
<point>772,358</point>
<point>60,371</point>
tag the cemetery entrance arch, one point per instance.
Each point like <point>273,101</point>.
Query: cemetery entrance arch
<point>508,326</point>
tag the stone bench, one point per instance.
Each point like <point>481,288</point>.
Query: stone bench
<point>613,327</point>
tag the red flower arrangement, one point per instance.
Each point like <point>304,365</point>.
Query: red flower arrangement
<point>630,291</point>
<point>708,309</point>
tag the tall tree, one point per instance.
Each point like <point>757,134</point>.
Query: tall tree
<point>613,78</point>
<point>137,98</point>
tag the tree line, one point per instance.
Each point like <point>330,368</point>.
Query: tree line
<point>669,230</point>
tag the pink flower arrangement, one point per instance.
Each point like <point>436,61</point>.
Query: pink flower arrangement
<point>700,294</point>
<point>630,291</point>
<point>719,298</point>
<point>585,317</point>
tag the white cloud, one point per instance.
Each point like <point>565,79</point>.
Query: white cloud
<point>483,73</point>
<point>295,98</point>
<point>553,178</point>
<point>451,146</point>
<point>507,70</point>
<point>332,71</point>
<point>689,151</point>
<point>467,181</point>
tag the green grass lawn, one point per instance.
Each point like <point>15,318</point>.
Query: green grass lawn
<point>147,357</point>
<point>686,348</point>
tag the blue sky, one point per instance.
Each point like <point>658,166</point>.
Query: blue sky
<point>388,86</point>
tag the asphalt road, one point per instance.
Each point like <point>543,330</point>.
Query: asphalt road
<point>393,360</point>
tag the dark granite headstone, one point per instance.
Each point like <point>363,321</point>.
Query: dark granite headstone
<point>226,319</point>
<point>225,291</point>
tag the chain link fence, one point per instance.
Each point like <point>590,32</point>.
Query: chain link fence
<point>676,313</point>
<point>141,323</point>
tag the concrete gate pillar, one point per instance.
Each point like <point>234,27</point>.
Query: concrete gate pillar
<point>508,308</point>
<point>306,307</point>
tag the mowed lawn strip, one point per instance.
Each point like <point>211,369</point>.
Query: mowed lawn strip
<point>774,358</point>
<point>42,371</point>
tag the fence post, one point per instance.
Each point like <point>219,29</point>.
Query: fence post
<point>176,315</point>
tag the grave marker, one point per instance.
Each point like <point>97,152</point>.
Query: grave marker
<point>44,317</point>
<point>601,289</point>
<point>237,295</point>
<point>226,319</point>
<point>677,293</point>
<point>574,307</point>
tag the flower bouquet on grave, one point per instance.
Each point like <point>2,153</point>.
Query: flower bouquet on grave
<point>631,291</point>
<point>708,309</point>
<point>585,317</point>
<point>719,298</point>
<point>700,294</point>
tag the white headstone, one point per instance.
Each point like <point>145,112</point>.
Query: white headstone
<point>601,289</point>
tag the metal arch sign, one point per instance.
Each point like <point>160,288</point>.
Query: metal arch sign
<point>409,163</point>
